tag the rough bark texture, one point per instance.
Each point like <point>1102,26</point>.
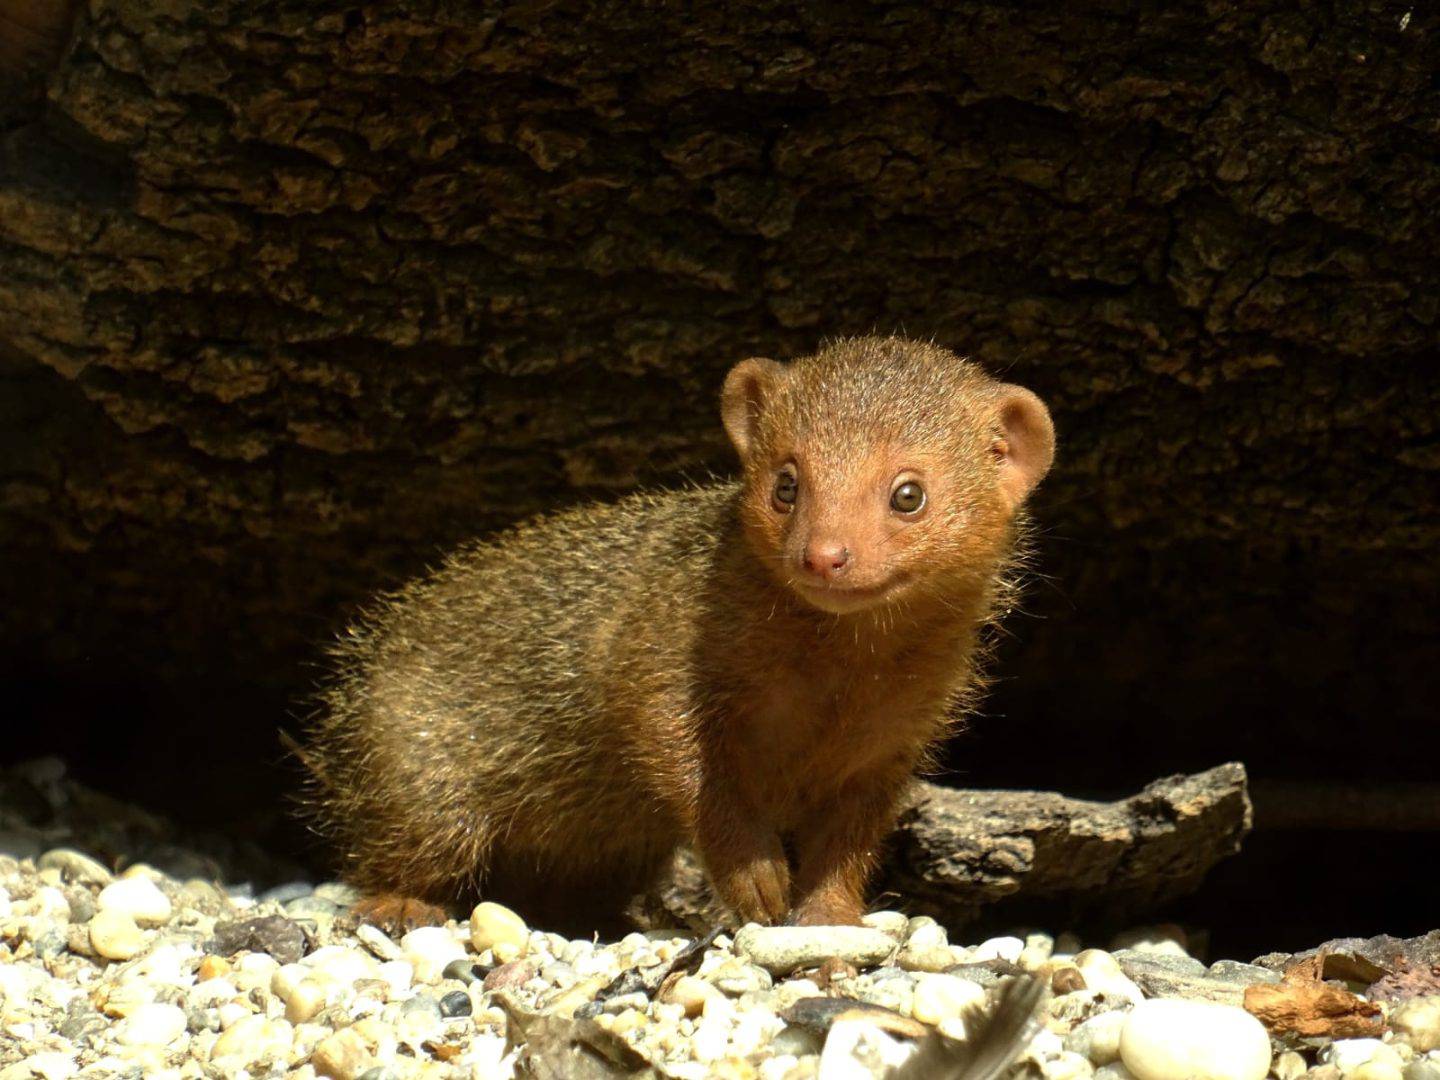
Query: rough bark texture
<point>958,851</point>
<point>956,854</point>
<point>294,294</point>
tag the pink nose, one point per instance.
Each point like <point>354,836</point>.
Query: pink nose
<point>826,560</point>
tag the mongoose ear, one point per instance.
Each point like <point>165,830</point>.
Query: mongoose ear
<point>747,389</point>
<point>1026,442</point>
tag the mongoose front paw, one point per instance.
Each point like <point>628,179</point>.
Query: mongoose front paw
<point>759,891</point>
<point>397,914</point>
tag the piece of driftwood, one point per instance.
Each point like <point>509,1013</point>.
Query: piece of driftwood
<point>958,852</point>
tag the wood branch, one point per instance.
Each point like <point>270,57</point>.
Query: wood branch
<point>957,852</point>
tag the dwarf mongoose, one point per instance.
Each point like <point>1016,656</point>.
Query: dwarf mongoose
<point>754,668</point>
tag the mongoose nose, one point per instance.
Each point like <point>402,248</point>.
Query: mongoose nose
<point>826,560</point>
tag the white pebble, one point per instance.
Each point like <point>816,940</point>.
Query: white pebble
<point>232,1013</point>
<point>709,1041</point>
<point>137,897</point>
<point>114,935</point>
<point>940,997</point>
<point>1348,1055</point>
<point>430,949</point>
<point>1037,952</point>
<point>398,975</point>
<point>341,964</point>
<point>1194,1040</point>
<point>254,969</point>
<point>155,1024</point>
<point>254,1039</point>
<point>999,948</point>
<point>928,935</point>
<point>856,1050</point>
<point>1103,975</point>
<point>893,923</point>
<point>1419,1021</point>
<point>1098,1038</point>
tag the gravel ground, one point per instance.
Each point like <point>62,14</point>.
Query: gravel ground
<point>154,972</point>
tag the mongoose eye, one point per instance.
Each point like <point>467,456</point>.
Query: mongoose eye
<point>908,497</point>
<point>786,488</point>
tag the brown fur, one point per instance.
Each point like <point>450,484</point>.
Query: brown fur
<point>548,715</point>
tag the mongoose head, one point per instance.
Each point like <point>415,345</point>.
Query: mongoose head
<point>880,469</point>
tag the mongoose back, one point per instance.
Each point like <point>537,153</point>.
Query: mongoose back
<point>755,668</point>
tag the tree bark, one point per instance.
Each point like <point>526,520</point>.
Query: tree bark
<point>293,295</point>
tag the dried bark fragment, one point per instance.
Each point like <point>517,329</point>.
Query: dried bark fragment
<point>1304,1004</point>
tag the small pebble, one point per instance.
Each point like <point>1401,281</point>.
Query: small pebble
<point>380,944</point>
<point>464,969</point>
<point>1098,1038</point>
<point>1347,1055</point>
<point>155,1024</point>
<point>690,993</point>
<point>342,1056</point>
<point>456,1003</point>
<point>1103,975</point>
<point>251,1040</point>
<point>283,894</point>
<point>893,923</point>
<point>1190,1040</point>
<point>75,866</point>
<point>781,949</point>
<point>516,973</point>
<point>1419,1021</point>
<point>139,898</point>
<point>1066,979</point>
<point>856,1050</point>
<point>940,997</point>
<point>431,949</point>
<point>114,935</point>
<point>280,938</point>
<point>999,948</point>
<point>305,1001</point>
<point>494,924</point>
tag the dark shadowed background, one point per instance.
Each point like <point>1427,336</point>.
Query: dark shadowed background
<point>294,295</point>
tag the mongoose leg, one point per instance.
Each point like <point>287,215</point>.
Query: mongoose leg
<point>397,914</point>
<point>837,849</point>
<point>745,860</point>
